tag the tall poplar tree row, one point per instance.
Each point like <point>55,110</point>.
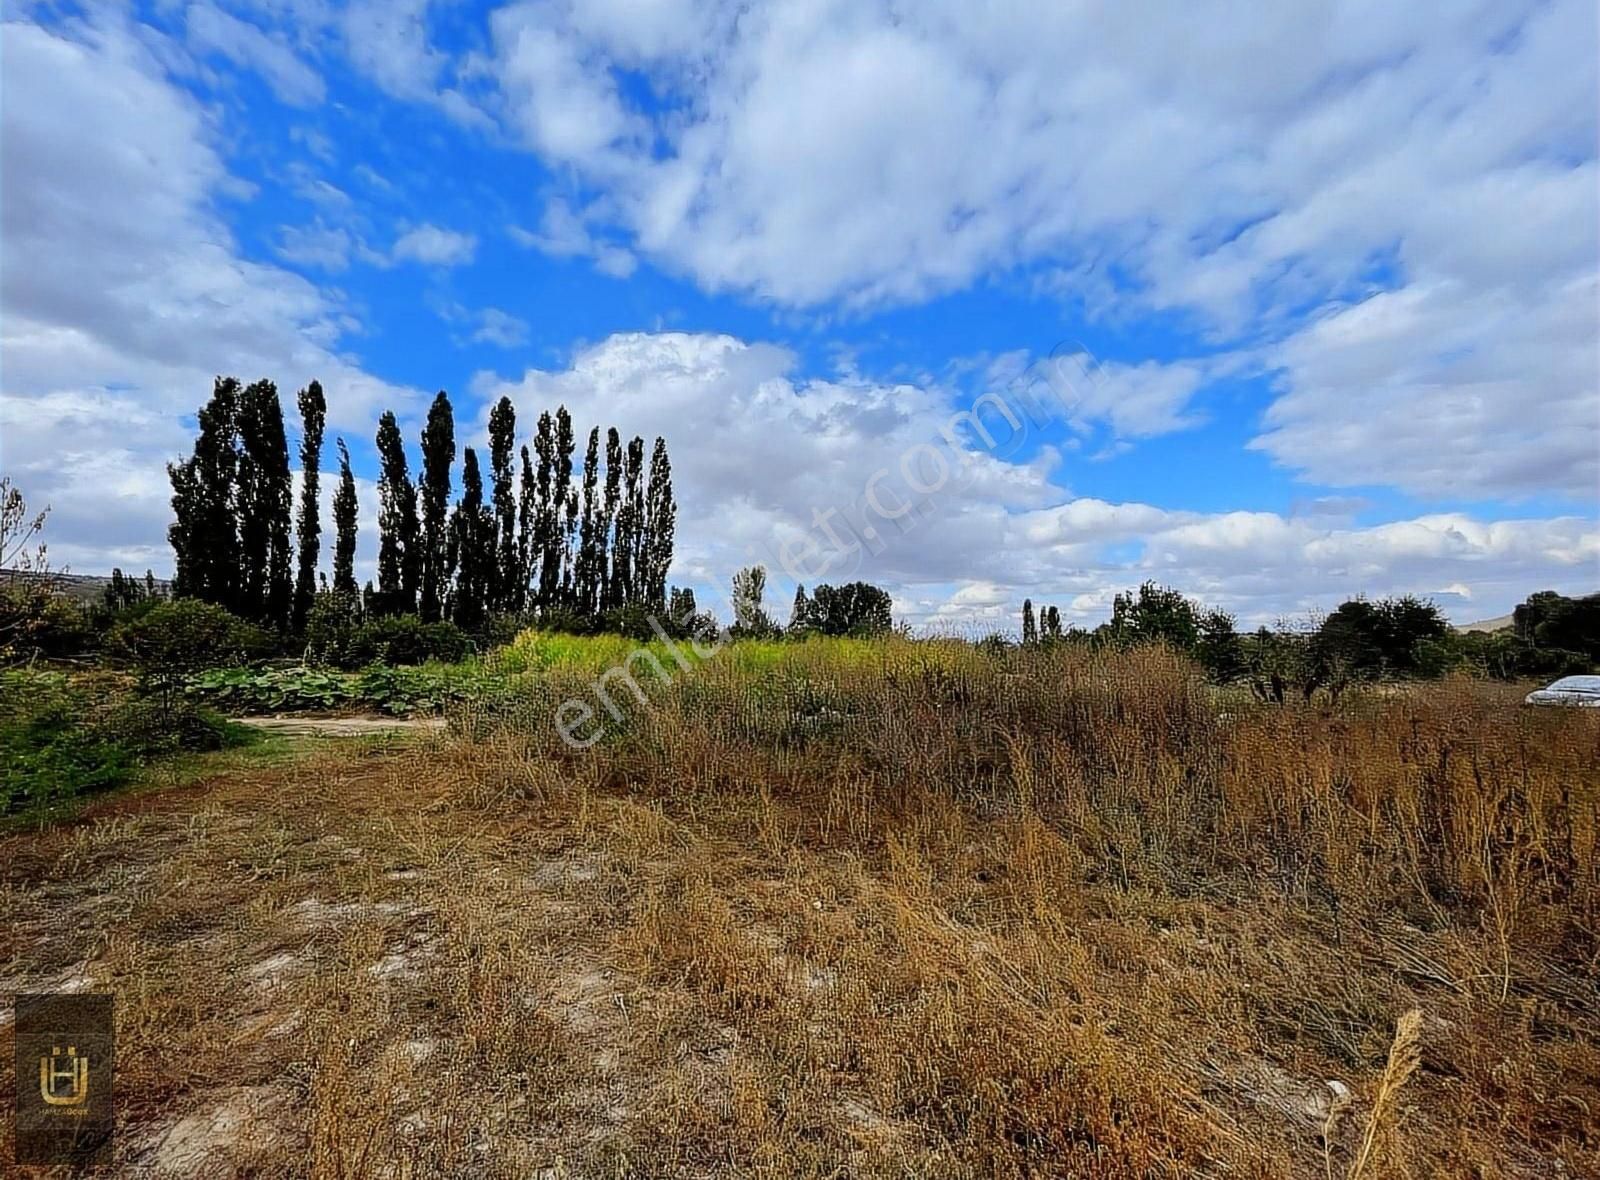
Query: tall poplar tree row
<point>308,526</point>
<point>550,537</point>
<point>438,454</point>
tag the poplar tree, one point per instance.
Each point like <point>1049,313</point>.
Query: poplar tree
<point>205,533</point>
<point>263,500</point>
<point>564,505</point>
<point>346,510</point>
<point>627,549</point>
<point>527,522</point>
<point>472,537</point>
<point>605,544</point>
<point>800,613</point>
<point>1030,632</point>
<point>589,559</point>
<point>308,528</point>
<point>502,448</point>
<point>544,529</point>
<point>398,548</point>
<point>438,454</point>
<point>660,523</point>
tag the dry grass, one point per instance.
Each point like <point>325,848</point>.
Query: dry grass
<point>912,913</point>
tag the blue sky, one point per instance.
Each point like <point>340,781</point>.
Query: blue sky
<point>1334,271</point>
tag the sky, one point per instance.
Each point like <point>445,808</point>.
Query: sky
<point>1273,304</point>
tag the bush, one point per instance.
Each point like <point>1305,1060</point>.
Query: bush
<point>405,640</point>
<point>331,626</point>
<point>272,690</point>
<point>147,728</point>
<point>35,623</point>
<point>173,640</point>
<point>498,629</point>
<point>47,752</point>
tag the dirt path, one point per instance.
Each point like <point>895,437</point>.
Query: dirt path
<point>342,726</point>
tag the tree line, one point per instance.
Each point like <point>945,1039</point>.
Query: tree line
<point>1360,641</point>
<point>538,535</point>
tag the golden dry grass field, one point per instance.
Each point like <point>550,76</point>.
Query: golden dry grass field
<point>914,912</point>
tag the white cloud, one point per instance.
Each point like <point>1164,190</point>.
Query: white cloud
<point>115,315</point>
<point>433,246</point>
<point>320,246</point>
<point>563,233</point>
<point>500,328</point>
<point>758,454</point>
<point>250,47</point>
<point>1237,165</point>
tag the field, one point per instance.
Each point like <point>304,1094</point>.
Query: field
<point>850,909</point>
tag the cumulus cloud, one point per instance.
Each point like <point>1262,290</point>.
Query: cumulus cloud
<point>767,462</point>
<point>432,245</point>
<point>114,312</point>
<point>1423,181</point>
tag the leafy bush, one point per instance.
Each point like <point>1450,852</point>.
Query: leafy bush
<point>405,640</point>
<point>395,691</point>
<point>61,739</point>
<point>147,728</point>
<point>498,629</point>
<point>273,690</point>
<point>47,752</point>
<point>1554,622</point>
<point>331,626</point>
<point>173,640</point>
<point>36,623</point>
<point>401,692</point>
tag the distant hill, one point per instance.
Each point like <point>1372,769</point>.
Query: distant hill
<point>84,588</point>
<point>1496,624</point>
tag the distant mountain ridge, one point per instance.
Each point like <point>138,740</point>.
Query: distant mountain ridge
<point>84,587</point>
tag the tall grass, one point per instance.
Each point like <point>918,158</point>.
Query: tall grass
<point>1440,802</point>
<point>1438,847</point>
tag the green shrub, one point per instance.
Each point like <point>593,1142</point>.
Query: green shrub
<point>145,727</point>
<point>47,752</point>
<point>396,691</point>
<point>173,640</point>
<point>401,692</point>
<point>36,623</point>
<point>272,690</point>
<point>498,629</point>
<point>331,627</point>
<point>405,640</point>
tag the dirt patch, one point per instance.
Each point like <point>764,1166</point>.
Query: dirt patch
<point>342,727</point>
<point>245,1125</point>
